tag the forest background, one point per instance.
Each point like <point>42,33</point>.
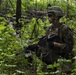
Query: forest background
<point>22,22</point>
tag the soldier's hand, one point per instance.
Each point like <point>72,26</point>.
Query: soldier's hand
<point>59,45</point>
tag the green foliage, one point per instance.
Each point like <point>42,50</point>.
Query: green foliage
<point>8,6</point>
<point>12,60</point>
<point>9,46</point>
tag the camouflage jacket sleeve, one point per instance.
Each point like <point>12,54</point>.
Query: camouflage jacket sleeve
<point>67,39</point>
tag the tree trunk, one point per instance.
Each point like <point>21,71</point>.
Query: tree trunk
<point>18,13</point>
<point>67,10</point>
<point>0,5</point>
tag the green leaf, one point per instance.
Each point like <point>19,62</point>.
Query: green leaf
<point>2,28</point>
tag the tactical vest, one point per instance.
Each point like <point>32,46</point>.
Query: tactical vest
<point>68,40</point>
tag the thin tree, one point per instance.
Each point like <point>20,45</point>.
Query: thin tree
<point>18,13</point>
<point>0,5</point>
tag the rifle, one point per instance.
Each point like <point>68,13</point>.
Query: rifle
<point>43,40</point>
<point>42,44</point>
<point>40,48</point>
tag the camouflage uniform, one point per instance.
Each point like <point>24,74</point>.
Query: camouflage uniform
<point>65,38</point>
<point>63,31</point>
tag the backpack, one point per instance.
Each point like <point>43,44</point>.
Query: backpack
<point>69,33</point>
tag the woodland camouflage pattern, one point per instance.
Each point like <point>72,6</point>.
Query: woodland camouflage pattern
<point>65,38</point>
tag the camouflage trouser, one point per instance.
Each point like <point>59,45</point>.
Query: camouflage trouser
<point>67,65</point>
<point>50,58</point>
<point>64,66</point>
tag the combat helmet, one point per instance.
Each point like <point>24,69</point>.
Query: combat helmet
<point>56,10</point>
